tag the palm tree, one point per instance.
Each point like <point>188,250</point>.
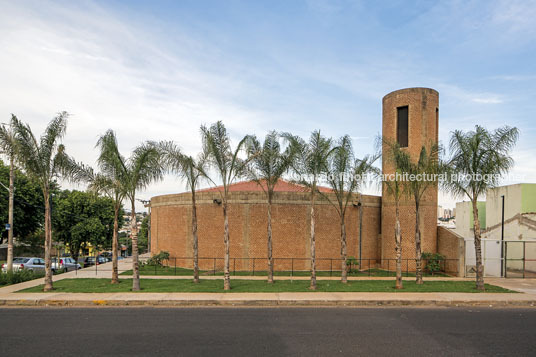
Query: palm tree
<point>109,183</point>
<point>45,160</point>
<point>192,170</point>
<point>8,146</point>
<point>217,144</point>
<point>426,167</point>
<point>128,176</point>
<point>345,174</point>
<point>394,156</point>
<point>479,158</point>
<point>269,164</point>
<point>310,164</point>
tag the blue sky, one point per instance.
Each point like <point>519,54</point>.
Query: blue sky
<point>159,69</point>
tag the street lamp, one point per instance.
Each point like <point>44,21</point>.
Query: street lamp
<point>147,204</point>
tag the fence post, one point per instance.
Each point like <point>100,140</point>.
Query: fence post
<point>214,266</point>
<point>524,259</point>
<point>368,261</point>
<point>253,266</point>
<point>234,266</point>
<point>175,266</point>
<point>407,268</point>
<point>292,267</point>
<point>330,267</point>
<point>506,259</point>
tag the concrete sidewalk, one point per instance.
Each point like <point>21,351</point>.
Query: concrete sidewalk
<point>267,299</point>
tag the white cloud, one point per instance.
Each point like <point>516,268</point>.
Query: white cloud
<point>487,100</point>
<point>111,74</point>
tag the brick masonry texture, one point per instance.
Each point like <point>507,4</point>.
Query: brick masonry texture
<point>423,130</point>
<point>171,229</point>
<point>452,246</point>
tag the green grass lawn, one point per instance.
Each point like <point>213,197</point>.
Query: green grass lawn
<point>166,271</point>
<point>249,286</point>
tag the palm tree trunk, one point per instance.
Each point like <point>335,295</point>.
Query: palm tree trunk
<point>115,245</point>
<point>398,248</point>
<point>313,247</point>
<point>270,257</point>
<point>134,236</point>
<point>226,275</point>
<point>194,234</point>
<point>478,248</point>
<point>418,251</point>
<point>48,245</point>
<point>344,271</point>
<point>10,215</point>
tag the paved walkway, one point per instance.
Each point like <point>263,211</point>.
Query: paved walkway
<point>9,297</point>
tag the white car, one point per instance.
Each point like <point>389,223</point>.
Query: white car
<point>31,264</point>
<point>66,264</point>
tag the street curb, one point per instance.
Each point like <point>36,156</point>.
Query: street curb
<point>265,303</point>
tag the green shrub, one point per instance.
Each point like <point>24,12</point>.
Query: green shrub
<point>433,262</point>
<point>158,259</point>
<point>20,276</point>
<point>351,262</point>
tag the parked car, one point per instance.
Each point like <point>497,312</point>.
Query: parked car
<point>31,264</point>
<point>66,264</point>
<point>90,261</point>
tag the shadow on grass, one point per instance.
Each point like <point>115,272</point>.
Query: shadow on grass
<point>172,271</point>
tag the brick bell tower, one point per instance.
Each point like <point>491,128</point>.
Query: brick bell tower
<point>410,117</point>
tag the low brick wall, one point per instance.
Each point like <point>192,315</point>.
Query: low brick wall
<point>452,246</point>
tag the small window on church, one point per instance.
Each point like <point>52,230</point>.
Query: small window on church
<point>402,126</point>
<point>437,123</point>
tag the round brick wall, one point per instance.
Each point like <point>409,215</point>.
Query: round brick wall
<point>171,230</point>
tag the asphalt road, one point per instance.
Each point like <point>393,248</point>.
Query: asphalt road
<point>271,331</point>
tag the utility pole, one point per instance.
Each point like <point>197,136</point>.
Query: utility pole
<point>503,258</point>
<point>359,206</point>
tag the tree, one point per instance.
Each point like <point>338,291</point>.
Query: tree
<point>79,218</point>
<point>221,156</point>
<point>268,164</point>
<point>143,236</point>
<point>130,175</point>
<point>28,203</point>
<point>344,175</point>
<point>8,146</point>
<point>395,186</point>
<point>45,160</point>
<point>192,170</point>
<point>478,158</point>
<point>110,181</point>
<point>311,162</point>
<point>427,167</point>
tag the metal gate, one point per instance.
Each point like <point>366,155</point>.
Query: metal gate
<point>507,258</point>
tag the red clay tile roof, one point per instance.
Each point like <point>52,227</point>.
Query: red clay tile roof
<point>252,186</point>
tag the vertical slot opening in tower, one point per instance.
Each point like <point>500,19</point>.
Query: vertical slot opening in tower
<point>402,126</point>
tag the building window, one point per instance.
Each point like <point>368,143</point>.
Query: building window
<point>437,124</point>
<point>402,126</point>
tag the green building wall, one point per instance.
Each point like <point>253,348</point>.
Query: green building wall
<point>528,198</point>
<point>481,215</point>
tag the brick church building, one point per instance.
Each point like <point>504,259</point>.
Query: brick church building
<point>410,116</point>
